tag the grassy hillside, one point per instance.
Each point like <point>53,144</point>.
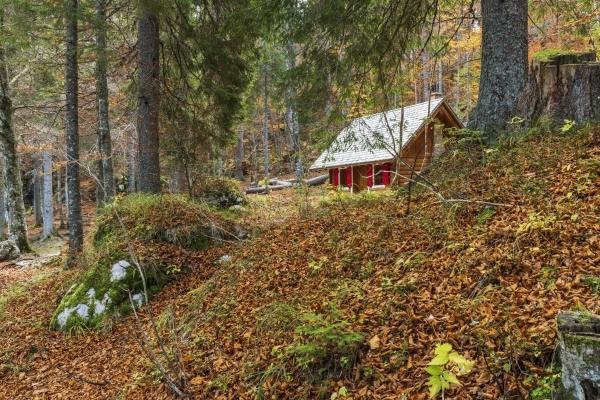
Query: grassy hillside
<point>351,296</point>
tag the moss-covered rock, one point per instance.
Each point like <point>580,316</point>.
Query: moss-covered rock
<point>131,229</point>
<point>220,192</point>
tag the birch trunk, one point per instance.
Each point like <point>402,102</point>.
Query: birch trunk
<point>104,140</point>
<point>72,132</point>
<point>8,146</point>
<point>148,98</point>
<point>48,215</point>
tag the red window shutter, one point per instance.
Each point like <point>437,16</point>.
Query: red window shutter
<point>370,175</point>
<point>334,177</point>
<point>349,176</point>
<point>386,173</point>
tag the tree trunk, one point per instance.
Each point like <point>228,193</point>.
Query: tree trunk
<point>563,87</point>
<point>132,164</point>
<point>72,131</point>
<point>48,215</point>
<point>503,64</point>
<point>291,113</point>
<point>59,198</point>
<point>254,157</point>
<point>148,98</point>
<point>266,113</point>
<point>8,148</point>
<point>38,193</point>
<point>3,216</point>
<point>425,76</point>
<point>104,140</point>
<point>239,155</point>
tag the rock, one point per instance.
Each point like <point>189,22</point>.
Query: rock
<point>119,270</point>
<point>238,208</point>
<point>225,259</point>
<point>579,349</point>
<point>9,250</point>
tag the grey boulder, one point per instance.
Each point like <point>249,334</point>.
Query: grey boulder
<point>9,250</point>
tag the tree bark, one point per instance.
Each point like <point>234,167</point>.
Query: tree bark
<point>503,64</point>
<point>59,198</point>
<point>239,155</point>
<point>48,205</point>
<point>8,149</point>
<point>38,192</point>
<point>266,112</point>
<point>148,98</point>
<point>3,214</point>
<point>291,113</point>
<point>563,87</point>
<point>104,140</point>
<point>72,132</point>
<point>132,163</point>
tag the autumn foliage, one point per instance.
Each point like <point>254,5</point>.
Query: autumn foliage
<point>361,279</point>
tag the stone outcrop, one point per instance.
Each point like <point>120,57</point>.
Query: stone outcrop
<point>9,250</point>
<point>579,350</point>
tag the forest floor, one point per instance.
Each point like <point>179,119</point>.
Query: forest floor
<point>337,294</point>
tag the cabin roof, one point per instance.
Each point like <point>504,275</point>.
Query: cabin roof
<point>373,139</point>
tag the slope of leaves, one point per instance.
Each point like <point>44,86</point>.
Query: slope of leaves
<point>487,279</point>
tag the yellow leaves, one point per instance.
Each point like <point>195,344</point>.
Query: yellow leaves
<point>197,381</point>
<point>374,342</point>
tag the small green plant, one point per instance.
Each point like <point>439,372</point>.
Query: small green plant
<point>276,317</point>
<point>593,282</point>
<point>536,222</point>
<point>567,126</point>
<point>339,394</point>
<point>485,215</point>
<point>325,343</point>
<point>545,387</point>
<point>444,369</point>
<point>316,265</point>
<point>549,275</point>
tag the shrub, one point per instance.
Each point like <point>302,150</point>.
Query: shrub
<point>325,343</point>
<point>219,192</point>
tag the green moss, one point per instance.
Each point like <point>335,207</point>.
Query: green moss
<point>549,54</point>
<point>144,220</point>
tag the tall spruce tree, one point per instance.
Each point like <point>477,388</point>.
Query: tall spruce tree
<point>148,97</point>
<point>104,140</point>
<point>72,130</point>
<point>8,150</point>
<point>503,64</point>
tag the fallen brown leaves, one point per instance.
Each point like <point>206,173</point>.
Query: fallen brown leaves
<point>492,289</point>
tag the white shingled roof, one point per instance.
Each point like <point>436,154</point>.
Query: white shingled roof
<point>371,139</point>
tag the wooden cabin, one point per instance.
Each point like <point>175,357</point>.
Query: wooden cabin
<point>378,150</point>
